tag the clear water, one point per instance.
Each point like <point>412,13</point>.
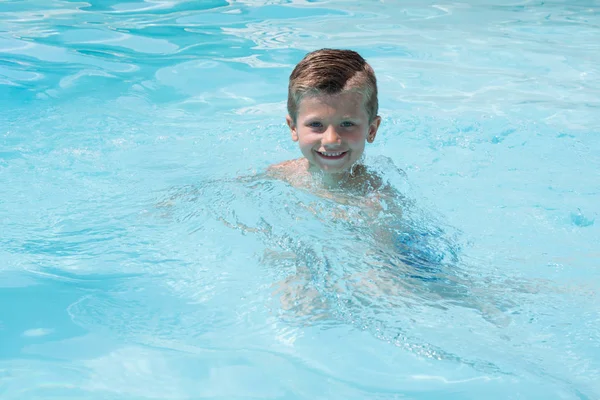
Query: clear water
<point>140,258</point>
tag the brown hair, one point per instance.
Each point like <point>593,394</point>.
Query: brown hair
<point>331,71</point>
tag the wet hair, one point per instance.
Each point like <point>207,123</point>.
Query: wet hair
<point>332,71</point>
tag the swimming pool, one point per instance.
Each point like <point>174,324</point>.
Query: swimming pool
<point>143,256</point>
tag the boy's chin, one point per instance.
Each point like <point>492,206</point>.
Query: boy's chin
<point>333,166</point>
<point>332,169</point>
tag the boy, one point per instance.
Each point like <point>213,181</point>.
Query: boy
<point>332,112</point>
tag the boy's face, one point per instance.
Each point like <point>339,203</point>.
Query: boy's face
<point>332,130</point>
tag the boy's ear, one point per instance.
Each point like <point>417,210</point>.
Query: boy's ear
<point>292,125</point>
<point>373,129</point>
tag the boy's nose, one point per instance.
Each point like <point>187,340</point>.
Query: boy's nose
<point>330,136</point>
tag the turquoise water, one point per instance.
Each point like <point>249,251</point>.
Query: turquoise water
<point>143,256</point>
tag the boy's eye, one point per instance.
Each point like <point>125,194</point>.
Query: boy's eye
<point>315,124</point>
<point>347,124</point>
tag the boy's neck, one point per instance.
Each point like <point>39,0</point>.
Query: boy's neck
<point>337,179</point>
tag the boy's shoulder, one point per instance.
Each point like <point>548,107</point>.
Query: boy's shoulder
<point>288,169</point>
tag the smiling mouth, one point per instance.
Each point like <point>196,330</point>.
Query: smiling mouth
<point>331,155</point>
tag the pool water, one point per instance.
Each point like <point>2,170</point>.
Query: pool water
<point>144,255</point>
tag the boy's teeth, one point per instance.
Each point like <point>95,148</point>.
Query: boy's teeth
<point>331,154</point>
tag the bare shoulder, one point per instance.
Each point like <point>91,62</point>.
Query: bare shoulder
<point>287,169</point>
<point>282,166</point>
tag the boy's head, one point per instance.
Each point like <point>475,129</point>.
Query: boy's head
<point>332,108</point>
<point>332,71</point>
